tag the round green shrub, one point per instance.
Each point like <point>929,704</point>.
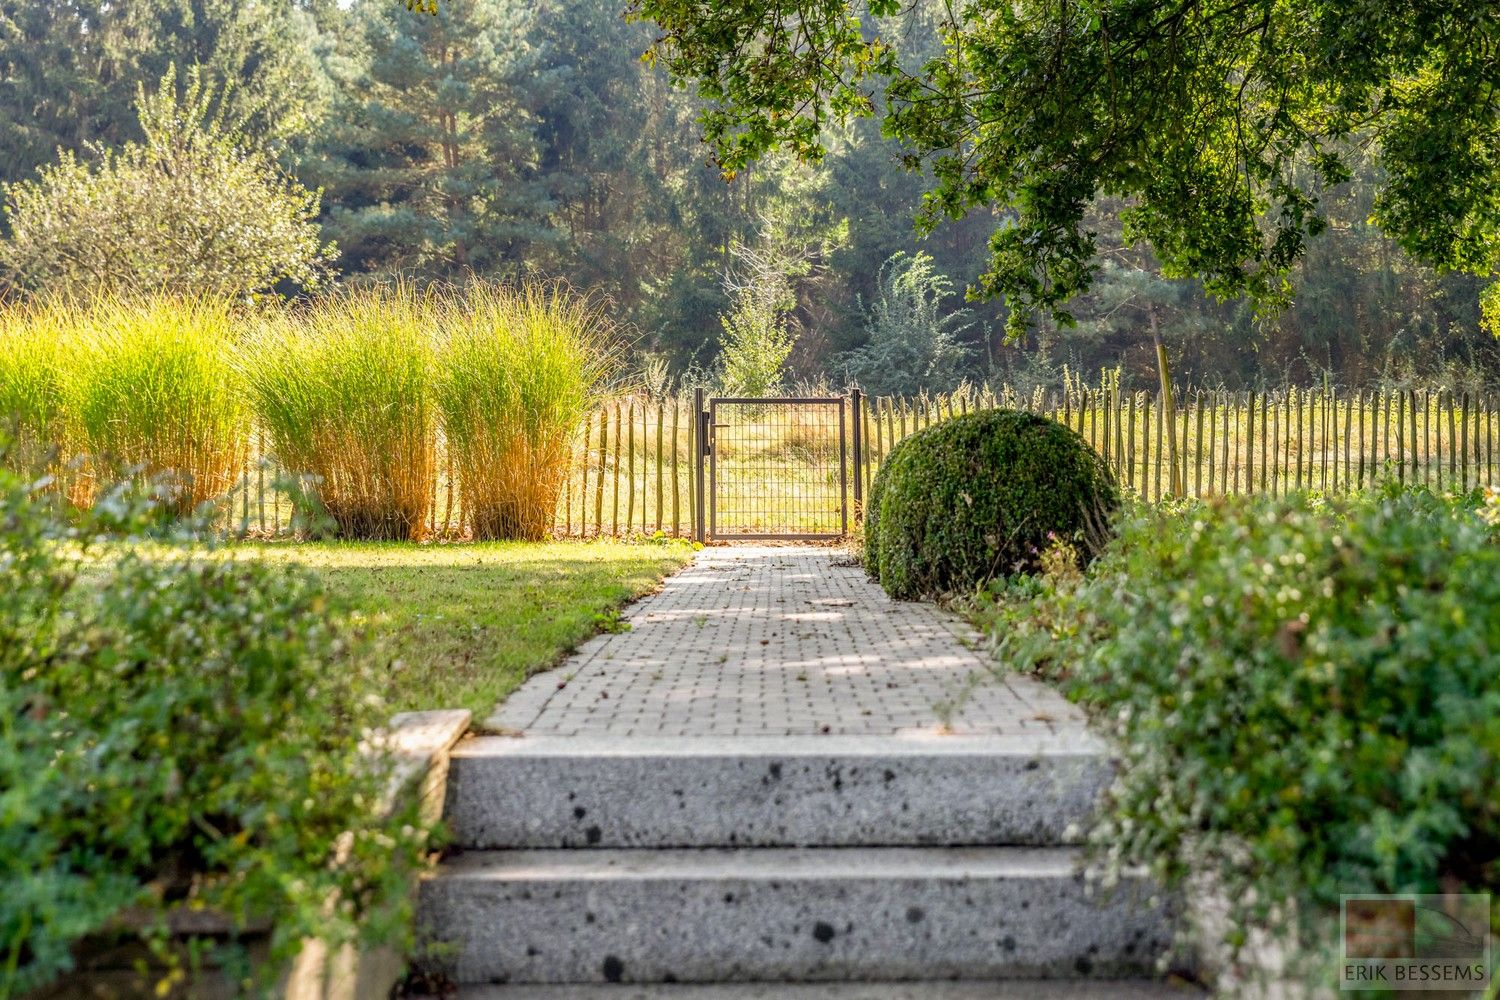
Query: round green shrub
<point>980,496</point>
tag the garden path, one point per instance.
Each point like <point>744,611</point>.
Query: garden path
<point>784,641</point>
<point>779,776</point>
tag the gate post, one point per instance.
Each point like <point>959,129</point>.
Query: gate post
<point>855,401</point>
<point>702,451</point>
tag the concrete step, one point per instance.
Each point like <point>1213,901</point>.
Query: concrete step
<point>1014,989</point>
<point>782,914</point>
<point>507,792</point>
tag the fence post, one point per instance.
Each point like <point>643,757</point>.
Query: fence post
<point>859,442</point>
<point>676,501</point>
<point>700,451</point>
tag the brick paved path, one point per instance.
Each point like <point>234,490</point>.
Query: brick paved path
<point>779,641</point>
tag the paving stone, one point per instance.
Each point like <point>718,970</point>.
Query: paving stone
<point>763,640</point>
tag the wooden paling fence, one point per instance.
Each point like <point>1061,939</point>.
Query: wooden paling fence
<point>633,468</point>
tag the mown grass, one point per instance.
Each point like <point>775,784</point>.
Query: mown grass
<point>462,626</point>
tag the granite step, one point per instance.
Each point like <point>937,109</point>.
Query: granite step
<point>846,791</point>
<point>783,914</point>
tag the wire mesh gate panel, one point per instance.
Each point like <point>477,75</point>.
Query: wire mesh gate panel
<point>777,468</point>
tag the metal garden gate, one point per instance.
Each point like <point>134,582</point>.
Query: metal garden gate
<point>778,468</point>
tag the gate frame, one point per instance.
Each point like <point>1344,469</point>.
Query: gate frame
<point>706,460</point>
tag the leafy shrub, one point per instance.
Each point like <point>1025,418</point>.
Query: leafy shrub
<point>520,370</point>
<point>179,730</point>
<point>195,208</point>
<point>150,385</point>
<point>979,496</point>
<point>345,391</point>
<point>1306,697</point>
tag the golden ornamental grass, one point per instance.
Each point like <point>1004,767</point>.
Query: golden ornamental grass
<point>521,368</point>
<point>344,390</point>
<point>147,386</point>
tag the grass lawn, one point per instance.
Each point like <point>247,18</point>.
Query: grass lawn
<point>463,625</point>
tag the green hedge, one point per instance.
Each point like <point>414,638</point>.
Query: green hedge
<point>1306,696</point>
<point>178,730</point>
<point>980,496</point>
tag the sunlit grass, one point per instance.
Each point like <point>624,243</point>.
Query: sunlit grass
<point>461,626</point>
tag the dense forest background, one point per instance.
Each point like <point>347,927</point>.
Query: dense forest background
<point>507,137</point>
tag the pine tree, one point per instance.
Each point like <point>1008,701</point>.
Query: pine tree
<point>433,168</point>
<point>69,72</point>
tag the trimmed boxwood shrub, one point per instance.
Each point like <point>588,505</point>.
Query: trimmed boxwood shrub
<point>980,496</point>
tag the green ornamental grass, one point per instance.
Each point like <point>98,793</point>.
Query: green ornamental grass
<point>149,386</point>
<point>33,339</point>
<point>522,367</point>
<point>344,390</point>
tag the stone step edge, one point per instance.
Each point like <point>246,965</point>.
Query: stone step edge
<point>780,864</point>
<point>918,743</point>
<point>994,989</point>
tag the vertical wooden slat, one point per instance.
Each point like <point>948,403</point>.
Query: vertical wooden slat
<point>660,433</point>
<point>1228,434</point>
<point>599,478</point>
<point>1156,467</point>
<point>676,494</point>
<point>1401,437</point>
<point>1383,424</point>
<point>1323,440</point>
<point>1130,446</point>
<point>1212,452</point>
<point>1349,440</point>
<point>614,519</point>
<point>1452,439</point>
<point>1263,476</point>
<point>1359,402</point>
<point>1463,445</point>
<point>1273,431</point>
<point>695,453</point>
<point>630,467</point>
<point>1297,454</point>
<point>1250,442</point>
<point>1105,395</point>
<point>1427,420</point>
<point>1197,446</point>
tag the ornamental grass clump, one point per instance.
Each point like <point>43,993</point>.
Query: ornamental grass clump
<point>33,340</point>
<point>149,387</point>
<point>521,368</point>
<point>344,391</point>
